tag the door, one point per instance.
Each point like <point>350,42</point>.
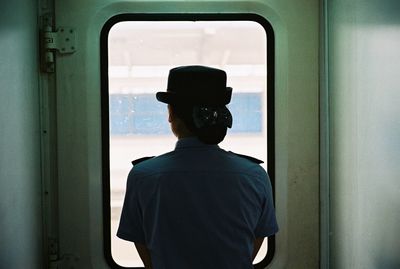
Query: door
<point>81,184</point>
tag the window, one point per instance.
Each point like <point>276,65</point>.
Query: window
<point>138,113</point>
<point>137,53</point>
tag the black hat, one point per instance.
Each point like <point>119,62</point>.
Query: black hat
<point>197,85</point>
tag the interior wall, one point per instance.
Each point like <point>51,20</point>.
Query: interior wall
<point>20,187</point>
<point>364,92</point>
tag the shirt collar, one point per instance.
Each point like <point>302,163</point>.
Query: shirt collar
<point>192,142</point>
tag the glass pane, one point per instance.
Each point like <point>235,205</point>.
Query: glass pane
<point>140,56</point>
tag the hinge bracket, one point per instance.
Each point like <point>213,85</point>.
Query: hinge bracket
<point>62,41</point>
<point>66,261</point>
<point>59,262</point>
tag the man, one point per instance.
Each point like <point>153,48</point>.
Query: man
<point>198,206</point>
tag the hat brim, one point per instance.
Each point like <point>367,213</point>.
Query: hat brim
<point>166,97</point>
<point>174,98</point>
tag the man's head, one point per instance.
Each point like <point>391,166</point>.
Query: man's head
<point>196,98</point>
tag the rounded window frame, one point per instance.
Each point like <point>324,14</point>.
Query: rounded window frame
<point>105,131</point>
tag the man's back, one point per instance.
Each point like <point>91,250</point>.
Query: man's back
<point>198,207</point>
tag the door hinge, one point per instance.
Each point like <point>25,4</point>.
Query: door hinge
<point>61,41</point>
<point>57,261</point>
<point>67,261</point>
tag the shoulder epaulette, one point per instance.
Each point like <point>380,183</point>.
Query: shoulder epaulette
<point>254,160</point>
<point>135,162</point>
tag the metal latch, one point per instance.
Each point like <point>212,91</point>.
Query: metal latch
<point>62,41</point>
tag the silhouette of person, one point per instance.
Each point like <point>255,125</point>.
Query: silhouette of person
<point>197,206</point>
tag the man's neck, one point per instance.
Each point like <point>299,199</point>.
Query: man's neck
<point>180,136</point>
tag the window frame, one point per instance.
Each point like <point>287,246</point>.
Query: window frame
<point>104,92</point>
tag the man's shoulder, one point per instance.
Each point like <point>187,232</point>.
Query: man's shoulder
<point>142,159</point>
<point>246,158</point>
<point>150,162</point>
<point>248,165</point>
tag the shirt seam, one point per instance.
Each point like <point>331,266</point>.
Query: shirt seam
<point>139,176</point>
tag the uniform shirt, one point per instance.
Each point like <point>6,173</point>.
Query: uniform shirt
<point>198,207</point>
